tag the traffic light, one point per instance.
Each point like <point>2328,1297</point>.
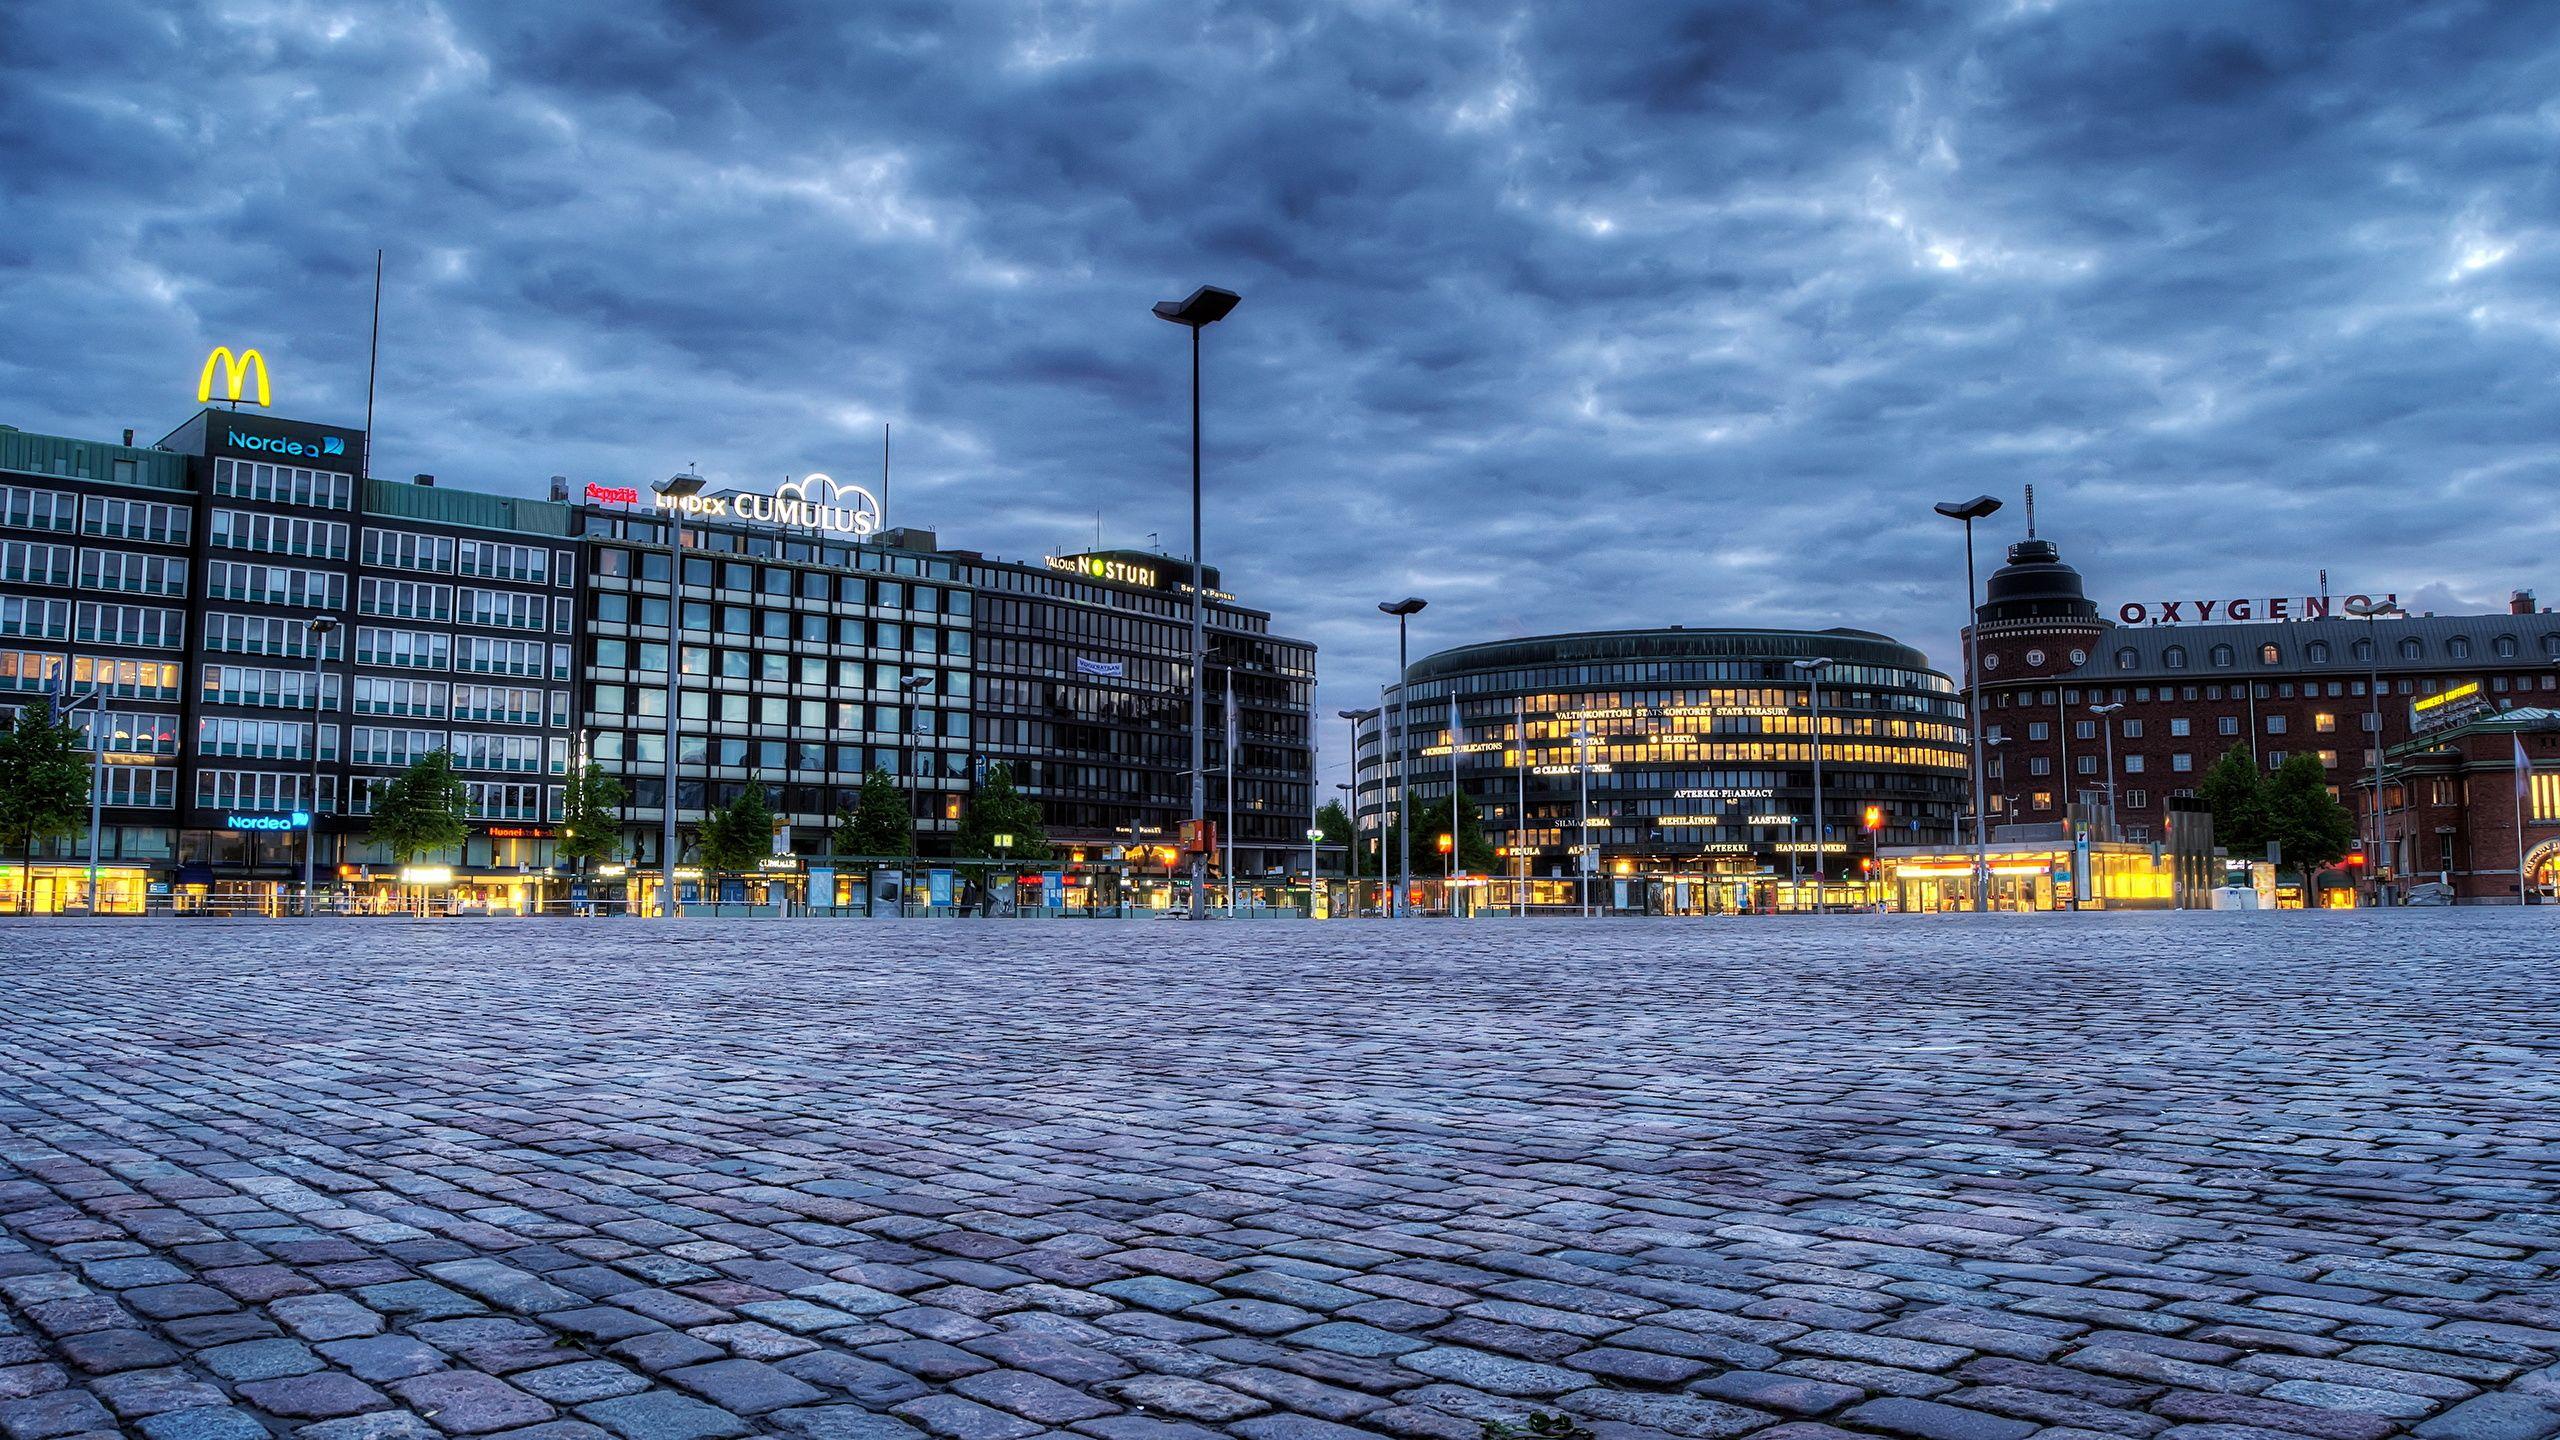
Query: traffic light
<point>1875,817</point>
<point>2354,860</point>
<point>1866,865</point>
<point>1445,845</point>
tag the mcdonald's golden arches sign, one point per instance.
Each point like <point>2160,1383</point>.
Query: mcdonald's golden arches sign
<point>235,375</point>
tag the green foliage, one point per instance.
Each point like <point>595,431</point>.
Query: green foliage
<point>2232,791</point>
<point>1539,1426</point>
<point>1430,822</point>
<point>735,838</point>
<point>996,808</point>
<point>1334,823</point>
<point>880,823</point>
<point>44,778</point>
<point>2302,817</point>
<point>424,809</point>
<point>591,818</point>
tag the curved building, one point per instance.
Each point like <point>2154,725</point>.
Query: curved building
<point>1697,747</point>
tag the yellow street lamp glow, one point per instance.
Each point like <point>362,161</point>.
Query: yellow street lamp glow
<point>234,374</point>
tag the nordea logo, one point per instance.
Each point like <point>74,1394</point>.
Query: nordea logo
<point>279,445</point>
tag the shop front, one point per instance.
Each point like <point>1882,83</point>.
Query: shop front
<point>2104,875</point>
<point>55,889</point>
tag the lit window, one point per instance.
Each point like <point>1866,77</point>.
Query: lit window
<point>2270,655</point>
<point>2126,659</point>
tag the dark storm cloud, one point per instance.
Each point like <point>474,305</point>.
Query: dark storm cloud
<point>1563,316</point>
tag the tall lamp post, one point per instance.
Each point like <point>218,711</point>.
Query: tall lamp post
<point>1812,670</point>
<point>1351,850</point>
<point>673,492</point>
<point>96,700</point>
<point>2369,611</point>
<point>1204,307</point>
<point>1969,511</point>
<point>1314,878</point>
<point>908,687</point>
<point>321,626</point>
<point>1404,610</point>
<point>2107,728</point>
<point>1351,794</point>
<point>1586,856</point>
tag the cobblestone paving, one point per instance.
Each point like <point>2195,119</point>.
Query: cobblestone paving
<point>2197,1178</point>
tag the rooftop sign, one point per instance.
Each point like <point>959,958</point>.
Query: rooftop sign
<point>812,502</point>
<point>2237,609</point>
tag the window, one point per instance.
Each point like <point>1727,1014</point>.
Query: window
<point>2275,724</point>
<point>34,619</point>
<point>146,520</point>
<point>488,655</point>
<point>2324,723</point>
<point>2137,799</point>
<point>492,560</point>
<point>378,745</point>
<point>507,704</point>
<point>512,609</point>
<point>473,750</point>
<point>32,562</point>
<point>2316,653</point>
<point>2179,726</point>
<point>140,787</point>
<point>146,626</point>
<point>413,649</point>
<point>232,738</point>
<point>2226,725</point>
<point>2039,730</point>
<point>2132,729</point>
<point>2270,655</point>
<point>2128,659</point>
<point>24,509</point>
<point>387,695</point>
<point>2411,649</point>
<point>2084,729</point>
<point>2040,765</point>
<point>2133,764</point>
<point>2085,764</point>
<point>2182,762</point>
<point>408,550</point>
<point>403,599</point>
<point>2329,759</point>
<point>117,679</point>
<point>2221,655</point>
<point>2458,648</point>
<point>131,732</point>
<point>2041,800</point>
<point>2275,759</point>
<point>274,689</point>
<point>2174,658</point>
<point>279,534</point>
<point>275,584</point>
<point>132,571</point>
<point>265,635</point>
<point>254,790</point>
<point>283,484</point>
<point>2504,647</point>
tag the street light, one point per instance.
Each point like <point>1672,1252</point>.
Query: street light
<point>1586,857</point>
<point>1351,792</point>
<point>908,687</point>
<point>320,626</point>
<point>2369,611</point>
<point>1812,670</point>
<point>1206,306</point>
<point>1404,610</point>
<point>1313,878</point>
<point>2107,728</point>
<point>1969,511</point>
<point>673,491</point>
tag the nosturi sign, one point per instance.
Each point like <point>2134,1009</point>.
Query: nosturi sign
<point>812,502</point>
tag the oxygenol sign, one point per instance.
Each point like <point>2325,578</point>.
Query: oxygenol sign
<point>813,502</point>
<point>2244,607</point>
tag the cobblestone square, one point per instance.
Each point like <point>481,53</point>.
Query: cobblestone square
<point>2202,1177</point>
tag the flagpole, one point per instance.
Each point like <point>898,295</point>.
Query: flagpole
<point>1449,867</point>
<point>1520,819</point>
<point>1232,737</point>
<point>2524,780</point>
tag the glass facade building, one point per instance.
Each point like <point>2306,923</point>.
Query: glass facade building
<point>1696,747</point>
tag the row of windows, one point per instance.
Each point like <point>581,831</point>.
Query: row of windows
<point>228,633</point>
<point>471,749</point>
<point>258,584</point>
<point>264,790</point>
<point>273,688</point>
<point>148,627</point>
<point>108,516</point>
<point>133,572</point>
<point>647,750</point>
<point>650,567</point>
<point>2317,652</point>
<point>132,732</point>
<point>279,534</point>
<point>609,703</point>
<point>117,679</point>
<point>283,484</point>
<point>262,739</point>
<point>649,657</point>
<point>487,799</point>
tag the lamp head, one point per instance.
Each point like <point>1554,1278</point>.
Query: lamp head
<point>1973,509</point>
<point>1409,605</point>
<point>1205,306</point>
<point>676,487</point>
<point>2374,609</point>
<point>1819,662</point>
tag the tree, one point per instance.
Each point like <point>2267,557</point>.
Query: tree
<point>2232,791</point>
<point>2303,818</point>
<point>424,809</point>
<point>1431,821</point>
<point>996,808</point>
<point>1334,824</point>
<point>738,835</point>
<point>880,823</point>
<point>591,818</point>
<point>44,784</point>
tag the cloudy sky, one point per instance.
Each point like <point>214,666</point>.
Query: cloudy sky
<point>1568,316</point>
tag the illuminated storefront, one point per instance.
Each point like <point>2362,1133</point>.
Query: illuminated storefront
<point>1696,750</point>
<point>2034,876</point>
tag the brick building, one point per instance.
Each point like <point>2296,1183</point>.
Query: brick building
<point>2078,708</point>
<point>2459,796</point>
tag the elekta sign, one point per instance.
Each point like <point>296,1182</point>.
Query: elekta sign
<point>813,502</point>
